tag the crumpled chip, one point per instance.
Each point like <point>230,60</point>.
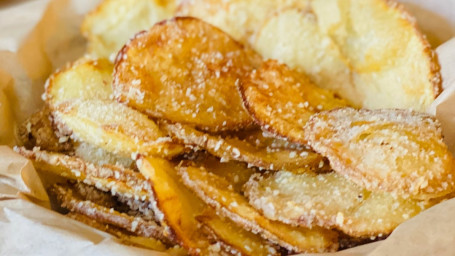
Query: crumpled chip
<point>282,100</point>
<point>185,70</point>
<point>216,192</point>
<point>113,22</point>
<point>253,149</point>
<point>233,238</point>
<point>113,127</point>
<point>397,151</point>
<point>369,52</point>
<point>83,79</point>
<point>329,200</point>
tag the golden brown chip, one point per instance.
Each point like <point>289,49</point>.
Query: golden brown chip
<point>113,22</point>
<point>259,154</point>
<point>367,51</point>
<point>185,70</point>
<point>397,151</point>
<point>216,192</point>
<point>118,180</point>
<point>38,131</point>
<point>236,173</point>
<point>84,79</point>
<point>233,238</point>
<point>238,18</point>
<point>69,199</point>
<point>113,127</point>
<point>178,207</point>
<point>282,100</point>
<point>330,201</point>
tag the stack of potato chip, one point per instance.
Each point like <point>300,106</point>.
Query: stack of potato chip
<point>191,142</point>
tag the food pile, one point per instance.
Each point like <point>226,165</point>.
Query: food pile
<point>244,127</point>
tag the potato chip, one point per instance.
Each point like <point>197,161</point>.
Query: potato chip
<point>259,154</point>
<point>239,18</point>
<point>216,192</point>
<point>177,205</point>
<point>113,127</point>
<point>70,199</point>
<point>397,151</point>
<point>185,70</point>
<point>236,173</point>
<point>235,239</point>
<point>83,79</point>
<point>120,181</point>
<point>329,200</point>
<point>282,100</point>
<point>113,22</point>
<point>123,235</point>
<point>38,131</point>
<point>367,51</point>
<point>99,156</point>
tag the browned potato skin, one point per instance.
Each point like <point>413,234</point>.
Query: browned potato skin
<point>282,100</point>
<point>185,70</point>
<point>390,150</point>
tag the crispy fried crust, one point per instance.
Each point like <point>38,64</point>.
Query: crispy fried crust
<point>282,100</point>
<point>185,70</point>
<point>259,154</point>
<point>216,192</point>
<point>239,18</point>
<point>38,131</point>
<point>235,239</point>
<point>113,22</point>
<point>85,78</point>
<point>330,201</point>
<point>73,202</point>
<point>397,151</point>
<point>343,53</point>
<point>113,127</point>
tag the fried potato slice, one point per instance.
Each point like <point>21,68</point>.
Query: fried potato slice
<point>113,22</point>
<point>239,18</point>
<point>71,200</point>
<point>119,181</point>
<point>282,100</point>
<point>83,79</point>
<point>397,151</point>
<point>230,148</point>
<point>38,131</point>
<point>177,205</point>
<point>336,44</point>
<point>329,200</point>
<point>216,192</point>
<point>99,156</point>
<point>113,127</point>
<point>185,70</point>
<point>236,173</point>
<point>123,235</point>
<point>235,239</point>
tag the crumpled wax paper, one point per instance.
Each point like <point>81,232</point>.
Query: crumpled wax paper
<point>39,36</point>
